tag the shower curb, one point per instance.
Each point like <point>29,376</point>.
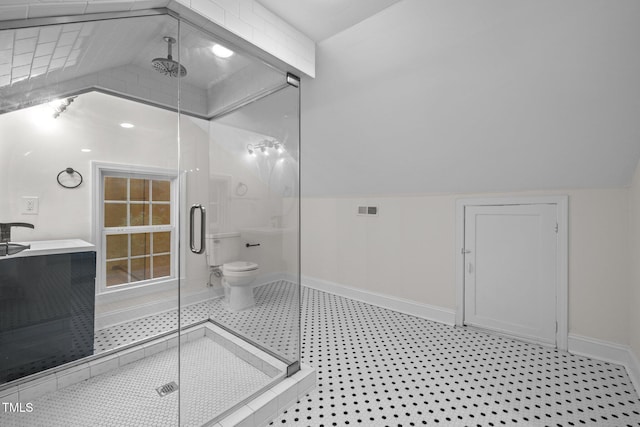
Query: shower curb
<point>61,379</point>
<point>273,402</point>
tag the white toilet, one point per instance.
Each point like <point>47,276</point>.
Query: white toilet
<point>223,251</point>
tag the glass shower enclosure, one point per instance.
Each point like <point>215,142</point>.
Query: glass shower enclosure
<point>149,169</point>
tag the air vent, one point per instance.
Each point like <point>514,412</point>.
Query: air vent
<point>167,389</point>
<point>368,210</point>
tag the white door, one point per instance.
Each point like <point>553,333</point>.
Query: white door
<point>510,270</point>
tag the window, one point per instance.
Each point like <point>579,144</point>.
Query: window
<point>136,228</point>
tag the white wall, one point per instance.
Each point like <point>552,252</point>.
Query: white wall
<point>457,96</point>
<point>408,252</point>
<point>229,157</point>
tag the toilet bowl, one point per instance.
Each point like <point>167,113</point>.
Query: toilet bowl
<point>237,279</point>
<point>223,253</point>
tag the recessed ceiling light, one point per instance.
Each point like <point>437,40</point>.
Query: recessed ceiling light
<point>126,125</point>
<point>221,51</point>
<point>86,150</point>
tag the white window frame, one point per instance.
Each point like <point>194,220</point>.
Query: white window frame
<point>99,171</point>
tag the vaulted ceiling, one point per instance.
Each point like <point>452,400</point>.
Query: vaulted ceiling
<point>321,19</point>
<point>464,96</point>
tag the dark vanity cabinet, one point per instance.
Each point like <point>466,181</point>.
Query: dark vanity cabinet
<point>47,305</point>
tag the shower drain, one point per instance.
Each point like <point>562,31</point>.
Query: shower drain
<point>163,390</point>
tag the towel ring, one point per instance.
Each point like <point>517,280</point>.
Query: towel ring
<point>241,189</point>
<point>70,171</point>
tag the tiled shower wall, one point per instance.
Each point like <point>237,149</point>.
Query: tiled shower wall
<point>245,18</point>
<point>251,21</point>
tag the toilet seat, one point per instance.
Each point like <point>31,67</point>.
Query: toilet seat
<point>239,266</point>
<point>237,279</point>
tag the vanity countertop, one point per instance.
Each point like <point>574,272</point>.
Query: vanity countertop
<point>50,247</point>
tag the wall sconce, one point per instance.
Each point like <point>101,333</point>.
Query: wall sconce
<point>60,105</point>
<point>265,146</point>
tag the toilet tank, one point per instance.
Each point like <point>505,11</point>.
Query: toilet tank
<point>223,248</point>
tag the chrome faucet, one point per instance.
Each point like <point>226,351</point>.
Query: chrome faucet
<point>5,229</point>
<point>7,248</point>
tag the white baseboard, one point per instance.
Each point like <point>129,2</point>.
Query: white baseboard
<point>425,311</point>
<point>580,345</point>
<point>115,317</point>
<point>598,349</point>
<point>607,352</point>
<point>633,369</point>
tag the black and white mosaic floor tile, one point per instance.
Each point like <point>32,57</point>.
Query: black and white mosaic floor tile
<point>273,323</point>
<point>377,367</point>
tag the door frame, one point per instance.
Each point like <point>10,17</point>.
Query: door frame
<point>562,271</point>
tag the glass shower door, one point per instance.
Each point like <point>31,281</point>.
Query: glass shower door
<point>125,156</point>
<point>89,250</point>
<point>220,368</point>
<point>258,147</point>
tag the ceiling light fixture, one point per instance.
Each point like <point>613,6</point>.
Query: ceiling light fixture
<point>60,105</point>
<point>221,51</point>
<point>126,125</point>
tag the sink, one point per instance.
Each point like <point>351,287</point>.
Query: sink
<point>49,247</point>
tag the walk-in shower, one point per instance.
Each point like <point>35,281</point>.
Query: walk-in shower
<point>110,312</point>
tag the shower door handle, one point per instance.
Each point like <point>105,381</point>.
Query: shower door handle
<point>203,221</point>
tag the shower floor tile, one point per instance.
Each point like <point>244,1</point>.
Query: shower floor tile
<point>377,367</point>
<point>212,380</point>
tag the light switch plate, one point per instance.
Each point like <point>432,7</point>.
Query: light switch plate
<point>29,205</point>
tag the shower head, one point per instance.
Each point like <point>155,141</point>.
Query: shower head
<point>168,66</point>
